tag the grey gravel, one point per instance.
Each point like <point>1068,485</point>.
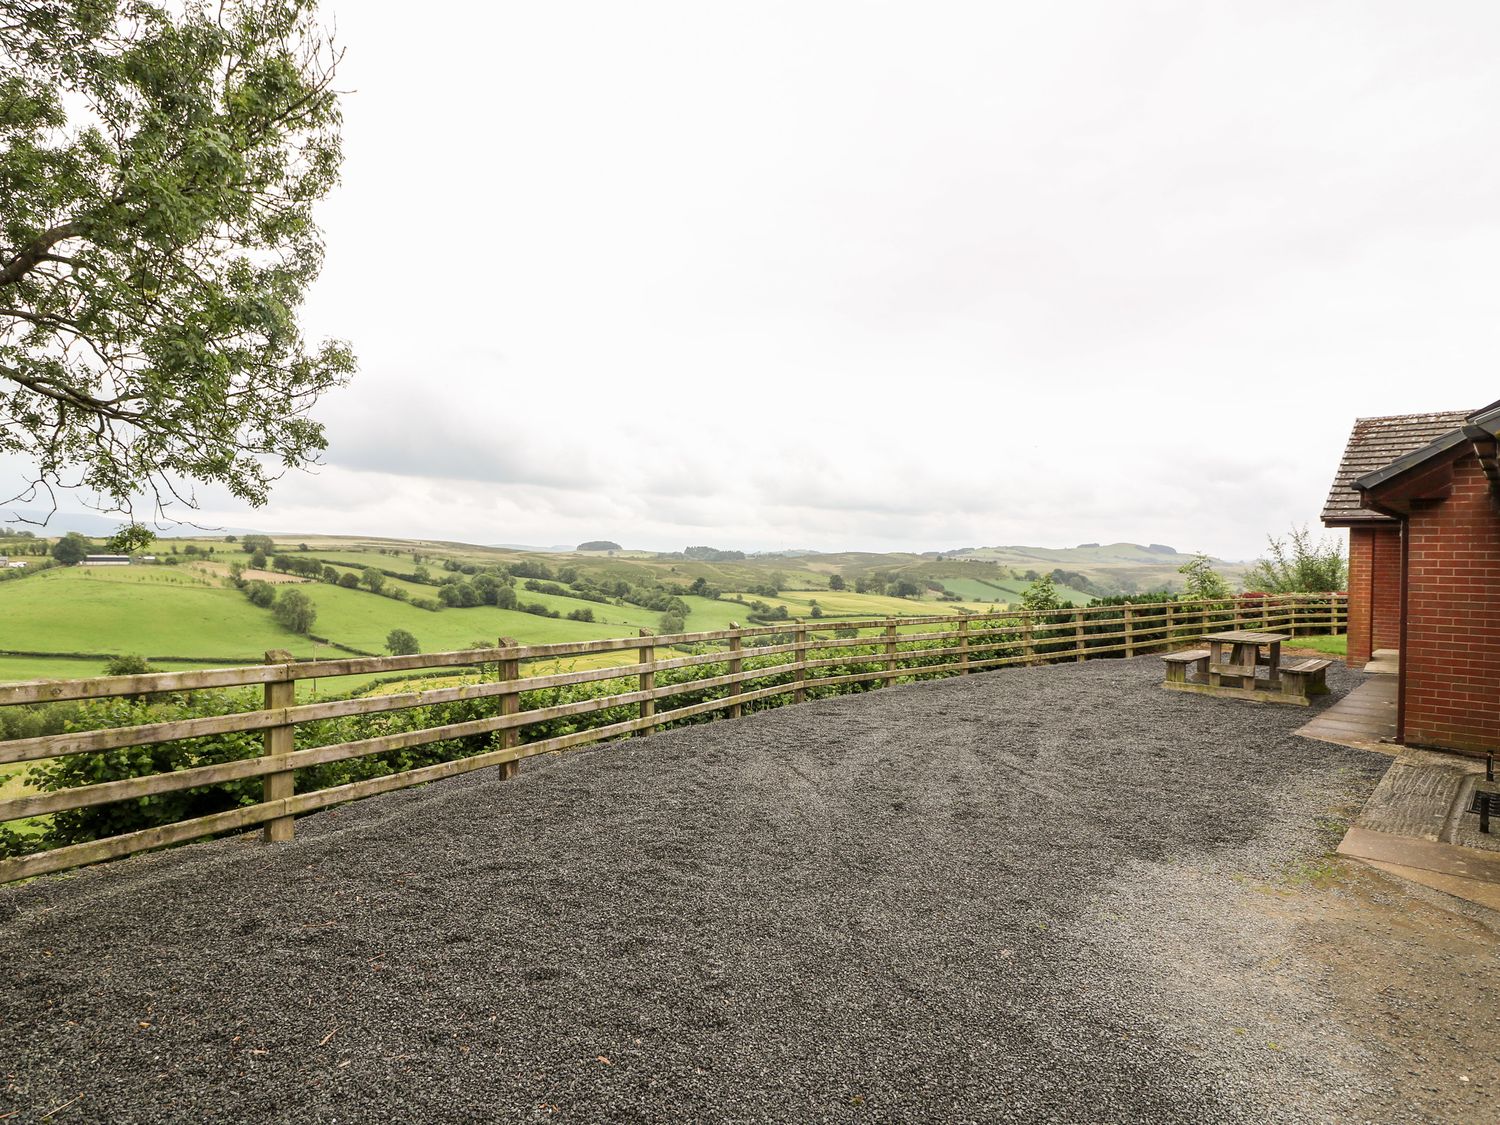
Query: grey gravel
<point>978,899</point>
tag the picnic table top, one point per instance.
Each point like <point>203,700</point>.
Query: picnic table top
<point>1245,638</point>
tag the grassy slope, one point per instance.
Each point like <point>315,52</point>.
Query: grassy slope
<point>846,603</point>
<point>362,620</point>
<point>148,610</point>
<point>184,611</point>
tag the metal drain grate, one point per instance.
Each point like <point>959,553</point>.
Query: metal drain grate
<point>1473,808</point>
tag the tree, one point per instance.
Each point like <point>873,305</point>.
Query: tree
<point>1299,566</point>
<point>372,579</point>
<point>72,548</point>
<point>398,642</point>
<point>836,582</point>
<point>260,593</point>
<point>672,623</point>
<point>295,610</point>
<point>133,537</point>
<point>349,580</point>
<point>159,166</point>
<point>262,544</point>
<point>1201,580</point>
<point>1041,594</point>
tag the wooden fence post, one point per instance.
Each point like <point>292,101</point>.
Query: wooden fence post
<point>1078,636</point>
<point>510,704</point>
<point>1028,647</point>
<point>963,645</point>
<point>648,682</point>
<point>736,666</point>
<point>890,655</point>
<point>1171,623</point>
<point>280,741</point>
<point>800,655</point>
<point>1129,630</point>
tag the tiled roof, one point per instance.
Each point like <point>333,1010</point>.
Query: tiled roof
<point>1374,444</point>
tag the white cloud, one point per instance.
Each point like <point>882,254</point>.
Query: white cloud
<point>895,275</point>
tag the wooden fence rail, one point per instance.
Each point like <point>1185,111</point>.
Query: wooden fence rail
<point>841,655</point>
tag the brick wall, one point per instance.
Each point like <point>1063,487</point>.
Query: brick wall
<point>1361,567</point>
<point>1374,590</point>
<point>1385,599</point>
<point>1452,657</point>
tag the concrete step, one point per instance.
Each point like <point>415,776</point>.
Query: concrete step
<point>1384,662</point>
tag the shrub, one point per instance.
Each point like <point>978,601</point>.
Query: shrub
<point>399,642</point>
<point>260,593</point>
<point>294,610</point>
<point>1041,595</point>
<point>1299,567</point>
<point>127,664</point>
<point>349,580</point>
<point>1201,580</point>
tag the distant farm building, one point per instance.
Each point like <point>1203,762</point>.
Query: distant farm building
<point>106,560</point>
<point>12,564</point>
<point>1420,495</point>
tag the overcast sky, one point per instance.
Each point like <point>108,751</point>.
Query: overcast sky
<point>894,276</point>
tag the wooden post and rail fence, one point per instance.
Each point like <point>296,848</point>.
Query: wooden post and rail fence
<point>841,655</point>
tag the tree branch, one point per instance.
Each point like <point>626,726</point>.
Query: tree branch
<point>28,259</point>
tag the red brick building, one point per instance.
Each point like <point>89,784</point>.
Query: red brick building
<point>1420,495</point>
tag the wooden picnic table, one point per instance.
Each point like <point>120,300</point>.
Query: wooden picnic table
<point>1237,653</point>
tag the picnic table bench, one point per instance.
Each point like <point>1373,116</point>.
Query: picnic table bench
<point>1230,665</point>
<point>1305,677</point>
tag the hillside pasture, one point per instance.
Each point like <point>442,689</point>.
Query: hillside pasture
<point>847,603</point>
<point>362,620</point>
<point>153,611</point>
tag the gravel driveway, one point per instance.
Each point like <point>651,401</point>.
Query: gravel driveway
<point>941,901</point>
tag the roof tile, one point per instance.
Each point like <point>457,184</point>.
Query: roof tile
<point>1374,444</point>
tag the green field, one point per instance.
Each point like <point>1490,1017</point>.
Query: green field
<point>846,603</point>
<point>188,614</point>
<point>153,611</point>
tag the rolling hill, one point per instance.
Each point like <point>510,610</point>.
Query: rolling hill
<point>186,609</point>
